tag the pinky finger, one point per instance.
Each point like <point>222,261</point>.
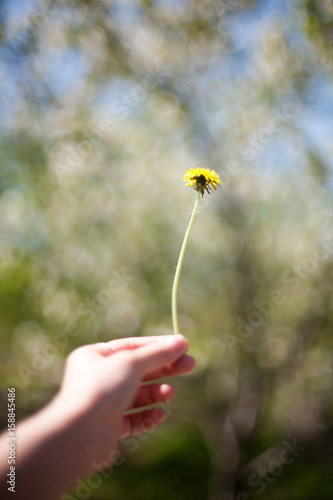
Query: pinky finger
<point>143,421</point>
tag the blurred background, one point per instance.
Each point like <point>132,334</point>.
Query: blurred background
<point>104,105</point>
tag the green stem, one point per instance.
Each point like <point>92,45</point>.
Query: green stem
<point>179,267</point>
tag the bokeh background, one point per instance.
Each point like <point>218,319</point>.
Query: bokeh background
<point>104,106</point>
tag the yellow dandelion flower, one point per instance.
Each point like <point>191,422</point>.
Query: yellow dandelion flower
<point>201,179</point>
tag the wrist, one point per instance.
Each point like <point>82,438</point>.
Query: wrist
<point>96,435</point>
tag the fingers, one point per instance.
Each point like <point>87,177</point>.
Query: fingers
<point>152,394</point>
<point>185,364</point>
<point>158,354</point>
<point>142,421</point>
<point>149,353</point>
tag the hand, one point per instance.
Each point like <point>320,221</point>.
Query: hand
<point>103,381</point>
<point>77,433</point>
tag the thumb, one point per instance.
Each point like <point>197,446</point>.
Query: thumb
<point>160,353</point>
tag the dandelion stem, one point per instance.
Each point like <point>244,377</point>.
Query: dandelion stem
<point>179,267</point>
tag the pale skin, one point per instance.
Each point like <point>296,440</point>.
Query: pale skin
<point>78,432</point>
